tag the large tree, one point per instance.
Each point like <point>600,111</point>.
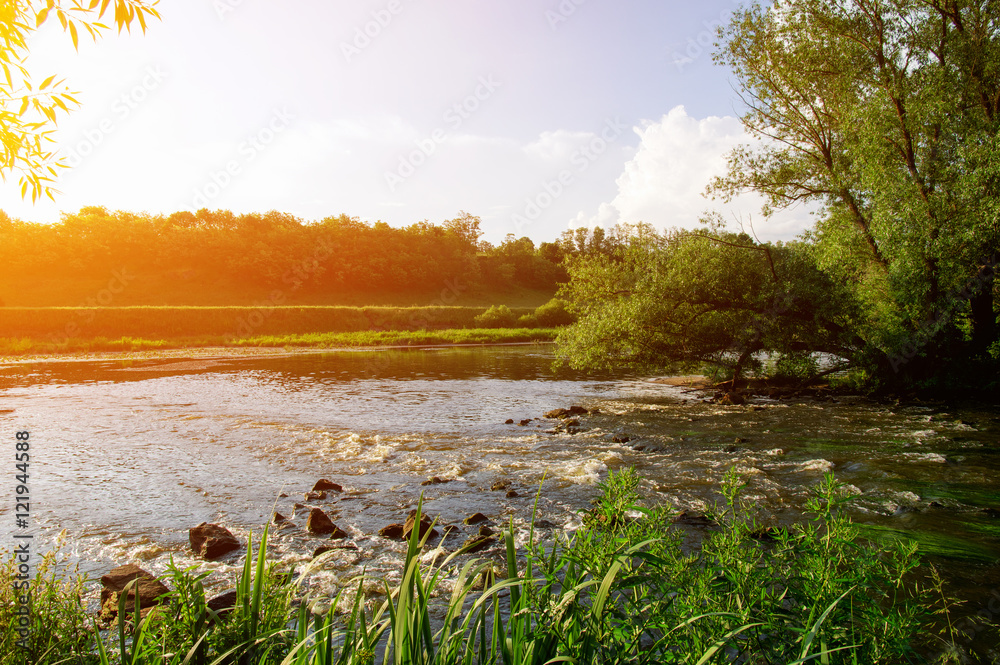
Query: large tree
<point>885,113</point>
<point>695,298</point>
<point>29,110</point>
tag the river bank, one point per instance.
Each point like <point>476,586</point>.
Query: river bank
<point>138,451</point>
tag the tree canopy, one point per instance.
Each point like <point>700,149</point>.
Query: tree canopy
<point>28,110</point>
<point>884,114</point>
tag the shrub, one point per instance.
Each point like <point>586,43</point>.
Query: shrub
<point>554,313</point>
<point>497,316</point>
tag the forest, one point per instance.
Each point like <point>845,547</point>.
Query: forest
<point>222,258</point>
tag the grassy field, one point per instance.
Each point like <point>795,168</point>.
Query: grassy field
<point>56,324</point>
<point>26,346</point>
<point>144,289</point>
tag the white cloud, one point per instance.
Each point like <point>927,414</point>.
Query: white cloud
<point>664,183</point>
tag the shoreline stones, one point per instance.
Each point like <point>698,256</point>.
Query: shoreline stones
<point>212,541</point>
<point>423,528</point>
<point>147,588</point>
<point>324,485</point>
<point>319,523</point>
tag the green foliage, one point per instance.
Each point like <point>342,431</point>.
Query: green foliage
<point>802,365</point>
<point>623,589</point>
<point>57,620</point>
<point>28,112</point>
<point>885,114</point>
<point>697,298</point>
<point>497,316</point>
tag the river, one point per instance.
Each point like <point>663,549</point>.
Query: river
<point>129,454</point>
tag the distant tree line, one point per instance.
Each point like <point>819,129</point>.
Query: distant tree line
<point>280,250</point>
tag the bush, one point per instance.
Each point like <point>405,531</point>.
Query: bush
<point>497,316</point>
<point>554,313</point>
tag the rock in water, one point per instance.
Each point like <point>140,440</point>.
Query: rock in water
<point>319,522</point>
<point>315,496</point>
<point>558,413</point>
<point>476,518</point>
<point>477,543</point>
<point>223,604</point>
<point>393,531</point>
<point>148,587</point>
<point>212,541</point>
<point>425,526</point>
<point>324,485</point>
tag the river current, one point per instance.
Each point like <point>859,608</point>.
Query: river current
<point>127,455</point>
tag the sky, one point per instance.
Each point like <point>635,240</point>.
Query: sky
<point>538,116</point>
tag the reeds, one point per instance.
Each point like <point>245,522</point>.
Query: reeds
<point>622,589</point>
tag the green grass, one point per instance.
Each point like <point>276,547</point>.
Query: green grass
<point>365,338</point>
<point>620,590</point>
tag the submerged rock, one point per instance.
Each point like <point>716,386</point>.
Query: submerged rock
<point>558,413</point>
<point>477,543</point>
<point>690,518</point>
<point>212,541</point>
<point>315,496</point>
<point>434,480</point>
<point>500,485</point>
<point>509,421</point>
<point>476,518</point>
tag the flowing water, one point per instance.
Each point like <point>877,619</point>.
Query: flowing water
<point>127,455</point>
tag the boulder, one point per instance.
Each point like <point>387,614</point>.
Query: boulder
<point>477,518</point>
<point>425,526</point>
<point>148,589</point>
<point>511,494</point>
<point>212,541</point>
<point>500,485</point>
<point>315,496</point>
<point>509,421</point>
<point>319,522</point>
<point>393,531</point>
<point>279,519</point>
<point>558,413</point>
<point>324,485</point>
<point>525,422</point>
<point>621,439</point>
<point>477,543</point>
<point>578,411</point>
<point>223,604</point>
